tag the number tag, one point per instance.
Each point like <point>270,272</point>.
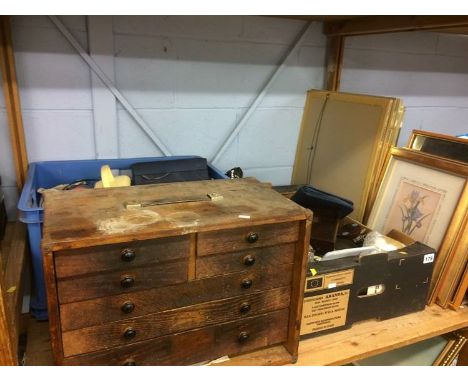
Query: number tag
<point>429,258</point>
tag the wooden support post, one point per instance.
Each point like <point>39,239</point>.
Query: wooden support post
<point>12,101</point>
<point>335,48</point>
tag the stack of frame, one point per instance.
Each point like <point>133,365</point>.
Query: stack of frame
<point>343,145</point>
<point>450,279</point>
<point>425,196</point>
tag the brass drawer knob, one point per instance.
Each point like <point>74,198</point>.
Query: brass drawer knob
<point>129,333</point>
<point>249,260</point>
<point>127,307</point>
<point>128,255</point>
<point>246,283</point>
<point>245,307</point>
<point>252,237</point>
<point>127,281</point>
<point>243,336</point>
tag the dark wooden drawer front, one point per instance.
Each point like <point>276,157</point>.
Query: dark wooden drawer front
<point>208,266</point>
<point>98,311</point>
<point>112,283</point>
<point>196,345</point>
<point>239,239</point>
<point>76,262</point>
<point>172,321</point>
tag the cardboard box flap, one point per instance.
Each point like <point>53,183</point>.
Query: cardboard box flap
<point>401,237</point>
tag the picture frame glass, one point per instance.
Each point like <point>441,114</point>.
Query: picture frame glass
<point>450,149</point>
<point>417,200</point>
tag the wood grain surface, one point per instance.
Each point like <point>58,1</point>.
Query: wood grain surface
<point>264,259</point>
<point>364,339</point>
<point>109,283</point>
<point>340,348</point>
<point>99,216</point>
<point>53,306</point>
<point>173,321</point>
<point>155,277</point>
<point>75,262</point>
<point>196,345</point>
<point>14,250</point>
<point>222,241</point>
<point>108,309</point>
<point>298,285</point>
<point>369,338</point>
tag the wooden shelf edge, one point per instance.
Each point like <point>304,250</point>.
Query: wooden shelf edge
<point>271,356</point>
<point>363,340</point>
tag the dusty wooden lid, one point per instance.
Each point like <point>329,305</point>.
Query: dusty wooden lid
<point>80,218</point>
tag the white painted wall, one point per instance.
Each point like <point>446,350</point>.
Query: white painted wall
<point>429,71</point>
<point>190,78</point>
<point>55,98</point>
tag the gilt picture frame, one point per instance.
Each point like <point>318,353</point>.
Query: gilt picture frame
<point>449,354</point>
<point>441,145</point>
<point>359,127</point>
<point>420,195</point>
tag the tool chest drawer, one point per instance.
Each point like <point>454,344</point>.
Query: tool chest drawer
<point>76,262</point>
<point>197,345</point>
<point>107,309</point>
<point>254,259</point>
<point>246,238</point>
<point>183,282</point>
<point>173,321</point>
<point>110,283</point>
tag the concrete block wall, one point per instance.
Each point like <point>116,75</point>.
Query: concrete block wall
<point>193,78</point>
<point>429,71</point>
<point>55,98</point>
<point>190,78</point>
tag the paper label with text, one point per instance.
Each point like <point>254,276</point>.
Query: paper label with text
<point>329,280</point>
<point>324,311</point>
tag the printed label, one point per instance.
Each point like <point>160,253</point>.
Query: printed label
<point>314,283</point>
<point>324,311</point>
<point>429,258</point>
<point>375,289</point>
<point>330,280</point>
<point>339,278</point>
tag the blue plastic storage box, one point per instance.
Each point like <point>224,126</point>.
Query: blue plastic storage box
<point>51,174</point>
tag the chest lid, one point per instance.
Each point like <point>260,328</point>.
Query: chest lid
<point>76,219</point>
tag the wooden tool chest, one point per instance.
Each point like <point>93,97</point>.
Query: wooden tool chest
<point>176,283</point>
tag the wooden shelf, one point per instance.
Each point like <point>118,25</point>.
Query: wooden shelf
<point>363,340</point>
<point>13,255</point>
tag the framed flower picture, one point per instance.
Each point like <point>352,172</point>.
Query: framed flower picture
<point>419,196</point>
